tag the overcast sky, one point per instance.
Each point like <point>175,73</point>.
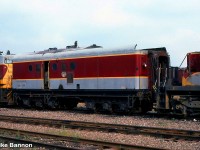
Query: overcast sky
<point>34,25</point>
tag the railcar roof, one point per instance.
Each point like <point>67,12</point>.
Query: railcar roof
<point>76,53</point>
<point>194,53</point>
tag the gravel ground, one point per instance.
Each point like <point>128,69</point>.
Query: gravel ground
<point>113,119</point>
<point>113,137</point>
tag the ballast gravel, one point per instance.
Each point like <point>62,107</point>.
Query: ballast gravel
<point>113,119</point>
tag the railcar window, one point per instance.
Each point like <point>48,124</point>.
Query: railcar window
<point>70,78</point>
<point>72,65</point>
<point>54,66</point>
<point>30,67</point>
<point>38,68</point>
<point>63,67</point>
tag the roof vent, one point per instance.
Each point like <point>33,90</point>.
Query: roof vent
<point>73,46</point>
<point>93,46</point>
<point>54,48</point>
<point>8,52</point>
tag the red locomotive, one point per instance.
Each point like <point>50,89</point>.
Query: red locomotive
<point>118,79</point>
<point>185,97</point>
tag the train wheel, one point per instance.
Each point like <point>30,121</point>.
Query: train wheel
<point>18,102</point>
<point>107,107</point>
<point>115,108</point>
<point>39,104</point>
<point>26,102</point>
<point>53,103</point>
<point>71,105</point>
<point>145,105</point>
<point>97,108</point>
<point>183,110</point>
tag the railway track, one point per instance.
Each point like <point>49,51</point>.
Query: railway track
<point>34,138</point>
<point>125,129</point>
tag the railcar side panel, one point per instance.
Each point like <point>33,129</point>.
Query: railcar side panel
<point>27,70</point>
<point>102,83</point>
<point>28,75</point>
<point>110,72</point>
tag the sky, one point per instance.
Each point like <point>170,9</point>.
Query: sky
<point>35,25</point>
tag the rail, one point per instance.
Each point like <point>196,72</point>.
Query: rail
<point>116,128</point>
<point>10,134</point>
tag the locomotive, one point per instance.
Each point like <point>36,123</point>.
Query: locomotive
<point>5,80</point>
<point>115,79</point>
<point>184,94</point>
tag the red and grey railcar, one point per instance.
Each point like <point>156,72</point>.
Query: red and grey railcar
<point>119,79</point>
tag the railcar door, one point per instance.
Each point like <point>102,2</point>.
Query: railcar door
<point>46,74</point>
<point>159,64</point>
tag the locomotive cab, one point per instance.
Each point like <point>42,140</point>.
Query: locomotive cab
<point>191,76</point>
<point>5,80</point>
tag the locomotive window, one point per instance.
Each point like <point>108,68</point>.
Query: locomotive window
<point>63,67</point>
<point>38,68</point>
<point>8,61</point>
<point>54,66</point>
<point>30,67</point>
<point>70,78</point>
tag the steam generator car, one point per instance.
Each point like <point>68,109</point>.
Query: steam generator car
<point>115,80</point>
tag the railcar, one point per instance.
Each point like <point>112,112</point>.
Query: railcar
<point>185,96</point>
<point>5,80</point>
<point>117,79</point>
